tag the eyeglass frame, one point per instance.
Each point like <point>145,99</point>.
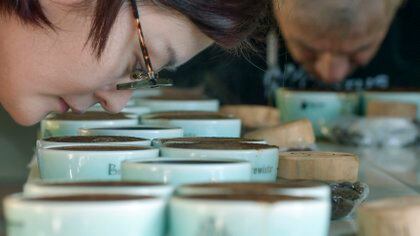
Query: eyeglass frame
<point>141,78</point>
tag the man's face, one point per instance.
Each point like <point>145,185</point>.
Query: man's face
<point>331,53</point>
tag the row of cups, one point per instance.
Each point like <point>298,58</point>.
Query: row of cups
<point>182,160</point>
<point>136,208</point>
<point>153,125</point>
<point>150,182</point>
<point>322,107</point>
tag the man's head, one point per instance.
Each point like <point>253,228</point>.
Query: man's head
<point>330,38</point>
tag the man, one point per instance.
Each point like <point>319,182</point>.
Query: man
<point>327,44</point>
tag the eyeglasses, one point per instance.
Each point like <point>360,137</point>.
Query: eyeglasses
<point>141,78</point>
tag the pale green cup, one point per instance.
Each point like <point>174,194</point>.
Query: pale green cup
<point>320,107</point>
<point>197,123</point>
<point>141,131</point>
<point>177,171</point>
<point>68,124</point>
<point>262,157</point>
<point>249,215</point>
<point>88,163</point>
<point>85,215</point>
<point>160,103</point>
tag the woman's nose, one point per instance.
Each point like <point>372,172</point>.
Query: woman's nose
<point>113,100</point>
<point>332,68</point>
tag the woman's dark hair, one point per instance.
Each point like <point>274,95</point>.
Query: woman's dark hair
<point>228,22</point>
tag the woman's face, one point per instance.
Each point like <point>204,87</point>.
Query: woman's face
<point>43,71</point>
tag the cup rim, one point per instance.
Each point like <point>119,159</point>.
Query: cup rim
<point>20,198</point>
<point>99,136</point>
<point>270,186</point>
<point>151,162</point>
<point>128,116</point>
<point>264,147</point>
<point>61,149</point>
<point>252,198</point>
<point>95,184</point>
<point>160,128</point>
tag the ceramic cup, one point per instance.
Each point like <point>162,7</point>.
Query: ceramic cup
<point>88,163</point>
<point>53,188</point>
<point>92,140</point>
<point>176,171</point>
<point>68,124</point>
<point>248,215</point>
<point>262,157</point>
<point>133,109</point>
<point>82,141</point>
<point>161,142</point>
<point>93,215</point>
<point>146,92</point>
<point>165,103</point>
<point>290,188</point>
<point>320,107</point>
<point>140,131</point>
<point>196,123</point>
<point>410,97</point>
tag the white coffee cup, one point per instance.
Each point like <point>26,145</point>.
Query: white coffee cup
<point>139,131</point>
<point>176,171</point>
<point>248,215</point>
<point>88,163</point>
<point>93,215</point>
<point>161,142</point>
<point>197,123</point>
<point>263,157</point>
<point>68,124</point>
<point>54,188</point>
<point>161,103</point>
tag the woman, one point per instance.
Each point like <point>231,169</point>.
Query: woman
<point>61,54</point>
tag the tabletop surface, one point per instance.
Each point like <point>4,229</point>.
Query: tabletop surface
<point>389,172</point>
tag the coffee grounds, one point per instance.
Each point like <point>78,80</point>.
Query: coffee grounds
<point>270,198</point>
<point>189,115</point>
<point>136,128</point>
<point>92,115</point>
<point>101,148</point>
<point>93,139</point>
<point>100,184</point>
<point>259,187</point>
<point>221,146</point>
<point>191,162</point>
<point>89,198</point>
<point>345,196</point>
<point>208,139</point>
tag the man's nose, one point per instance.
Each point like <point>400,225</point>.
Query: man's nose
<point>332,68</point>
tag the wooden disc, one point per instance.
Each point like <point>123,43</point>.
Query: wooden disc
<point>296,134</point>
<point>390,217</point>
<point>323,166</point>
<point>391,109</point>
<point>253,116</point>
